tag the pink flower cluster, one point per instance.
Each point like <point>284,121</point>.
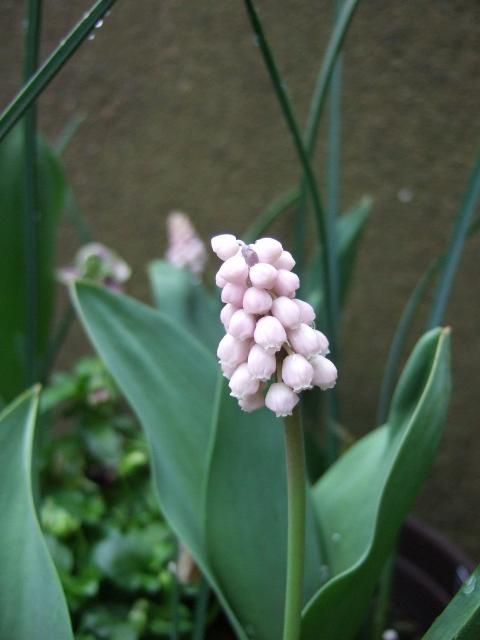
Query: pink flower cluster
<point>185,249</point>
<point>269,331</point>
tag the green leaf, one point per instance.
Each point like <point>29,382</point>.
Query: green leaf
<point>12,256</point>
<point>246,518</point>
<point>461,618</point>
<point>180,295</point>
<point>32,605</point>
<point>218,473</point>
<point>169,378</point>
<point>350,228</point>
<point>363,499</point>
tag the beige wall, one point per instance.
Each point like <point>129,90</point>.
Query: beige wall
<point>179,114</point>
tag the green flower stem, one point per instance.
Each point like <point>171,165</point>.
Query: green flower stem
<point>295,459</point>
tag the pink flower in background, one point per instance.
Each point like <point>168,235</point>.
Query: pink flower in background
<point>272,350</point>
<point>95,261</point>
<point>185,249</point>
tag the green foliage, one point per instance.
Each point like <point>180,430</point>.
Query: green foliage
<point>32,605</point>
<point>461,618</point>
<point>229,509</point>
<point>13,319</point>
<point>181,296</point>
<point>363,499</point>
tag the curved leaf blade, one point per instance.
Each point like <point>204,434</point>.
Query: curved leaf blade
<point>461,618</point>
<point>32,604</point>
<point>170,380</point>
<point>363,499</point>
<point>51,195</point>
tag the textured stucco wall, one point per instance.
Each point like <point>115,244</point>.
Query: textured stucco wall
<point>179,114</point>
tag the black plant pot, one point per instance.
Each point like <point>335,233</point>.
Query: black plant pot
<point>428,573</point>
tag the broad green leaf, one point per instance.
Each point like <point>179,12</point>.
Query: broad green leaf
<point>246,518</point>
<point>170,379</point>
<point>363,499</point>
<point>32,604</point>
<point>13,319</point>
<point>218,473</point>
<point>179,294</point>
<point>350,227</point>
<point>461,618</point>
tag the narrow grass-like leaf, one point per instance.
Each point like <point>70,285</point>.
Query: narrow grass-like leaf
<point>278,207</point>
<point>454,251</point>
<point>461,618</point>
<point>364,497</point>
<point>32,604</point>
<point>49,69</point>
<point>325,230</point>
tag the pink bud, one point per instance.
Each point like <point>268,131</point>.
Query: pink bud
<point>269,333</point>
<point>220,281</point>
<point>281,399</point>
<point>285,261</point>
<point>257,301</point>
<point>263,275</point>
<point>232,351</point>
<point>287,283</point>
<point>242,325</point>
<point>297,372</point>
<point>305,340</point>
<point>252,403</point>
<point>324,344</point>
<point>241,383</point>
<point>225,245</point>
<point>324,372</point>
<point>285,310</point>
<point>261,363</point>
<point>234,270</point>
<point>233,293</point>
<point>227,369</point>
<point>307,314</point>
<point>226,313</point>
<point>268,250</point>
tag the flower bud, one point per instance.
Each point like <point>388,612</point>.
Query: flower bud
<point>227,369</point>
<point>241,383</point>
<point>324,344</point>
<point>252,403</point>
<point>324,372</point>
<point>305,340</point>
<point>234,270</point>
<point>287,283</point>
<point>257,301</point>
<point>268,250</point>
<point>297,372</point>
<point>285,261</point>
<point>261,363</point>
<point>242,325</point>
<point>269,333</point>
<point>285,310</point>
<point>232,351</point>
<point>281,399</point>
<point>220,281</point>
<point>307,314</point>
<point>225,246</point>
<point>226,313</point>
<point>263,275</point>
<point>233,293</point>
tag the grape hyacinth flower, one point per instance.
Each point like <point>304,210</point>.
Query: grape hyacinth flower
<point>272,350</point>
<point>185,248</point>
<point>95,261</point>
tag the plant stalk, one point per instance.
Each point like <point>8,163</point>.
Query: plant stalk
<point>295,461</point>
